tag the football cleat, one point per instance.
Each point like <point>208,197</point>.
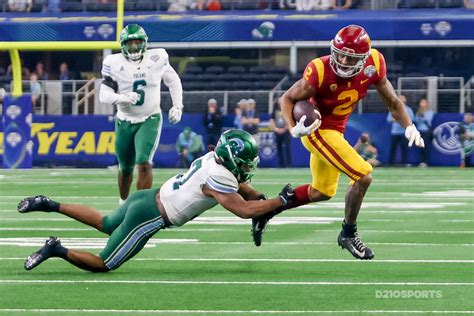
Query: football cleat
<point>39,203</point>
<point>50,249</point>
<point>355,246</point>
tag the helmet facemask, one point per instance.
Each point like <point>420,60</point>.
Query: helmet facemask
<point>133,49</point>
<point>346,64</point>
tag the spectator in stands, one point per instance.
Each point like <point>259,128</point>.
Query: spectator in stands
<point>40,72</point>
<point>35,89</point>
<point>64,73</point>
<point>367,150</point>
<point>52,6</point>
<point>238,117</point>
<point>343,4</point>
<point>214,5</point>
<point>250,118</point>
<point>25,72</point>
<point>469,4</point>
<point>198,5</point>
<point>423,120</point>
<point>466,139</point>
<point>307,5</point>
<point>398,135</point>
<point>282,136</point>
<point>213,122</point>
<point>268,4</point>
<point>178,5</point>
<point>20,5</point>
<point>189,146</point>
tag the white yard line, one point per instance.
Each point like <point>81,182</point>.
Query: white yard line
<point>291,260</point>
<point>315,283</point>
<point>227,311</point>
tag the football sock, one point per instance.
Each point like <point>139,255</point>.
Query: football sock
<point>122,202</point>
<point>301,198</point>
<point>348,230</point>
<point>60,251</point>
<point>54,206</point>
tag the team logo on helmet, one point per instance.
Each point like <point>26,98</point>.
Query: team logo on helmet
<point>238,143</point>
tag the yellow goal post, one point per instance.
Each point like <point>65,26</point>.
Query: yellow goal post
<point>15,47</point>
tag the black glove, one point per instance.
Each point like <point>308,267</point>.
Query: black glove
<point>262,197</point>
<point>287,194</point>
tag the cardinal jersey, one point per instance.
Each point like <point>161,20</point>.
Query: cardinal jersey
<point>182,195</point>
<point>143,77</point>
<point>336,97</point>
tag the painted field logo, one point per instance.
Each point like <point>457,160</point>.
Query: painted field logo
<point>445,138</point>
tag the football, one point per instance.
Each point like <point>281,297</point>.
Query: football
<point>306,108</point>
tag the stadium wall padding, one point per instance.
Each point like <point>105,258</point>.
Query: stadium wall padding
<point>419,24</point>
<point>88,140</point>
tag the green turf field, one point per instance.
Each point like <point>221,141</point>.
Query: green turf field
<point>419,222</point>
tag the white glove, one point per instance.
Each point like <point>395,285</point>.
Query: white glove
<point>413,136</point>
<point>299,130</point>
<point>175,113</point>
<point>129,97</point>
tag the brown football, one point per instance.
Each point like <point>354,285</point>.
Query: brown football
<point>306,108</point>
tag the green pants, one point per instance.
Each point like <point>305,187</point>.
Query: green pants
<point>137,143</point>
<point>130,227</point>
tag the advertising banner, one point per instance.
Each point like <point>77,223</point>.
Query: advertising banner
<point>16,126</point>
<point>89,140</point>
<point>420,24</point>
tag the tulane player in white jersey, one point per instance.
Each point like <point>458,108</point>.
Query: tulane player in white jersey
<point>219,177</point>
<point>132,82</point>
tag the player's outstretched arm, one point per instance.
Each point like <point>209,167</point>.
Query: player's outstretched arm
<point>397,108</point>
<point>249,193</point>
<point>236,204</point>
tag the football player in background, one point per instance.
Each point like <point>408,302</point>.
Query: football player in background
<point>218,177</point>
<point>334,84</point>
<point>132,82</point>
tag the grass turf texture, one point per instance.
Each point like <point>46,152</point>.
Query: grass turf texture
<point>418,222</point>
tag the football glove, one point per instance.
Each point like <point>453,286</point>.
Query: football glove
<point>175,113</point>
<point>413,136</point>
<point>286,195</point>
<point>299,130</point>
<point>129,97</point>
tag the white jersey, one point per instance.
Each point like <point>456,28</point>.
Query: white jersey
<point>182,195</point>
<point>143,77</point>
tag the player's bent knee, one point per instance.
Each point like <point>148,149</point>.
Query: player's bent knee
<point>366,180</point>
<point>107,226</point>
<point>126,170</point>
<point>317,195</point>
<point>144,167</point>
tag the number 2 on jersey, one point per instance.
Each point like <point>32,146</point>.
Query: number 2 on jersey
<point>183,178</point>
<point>138,88</point>
<point>346,107</point>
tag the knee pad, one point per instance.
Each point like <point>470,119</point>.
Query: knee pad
<point>126,170</point>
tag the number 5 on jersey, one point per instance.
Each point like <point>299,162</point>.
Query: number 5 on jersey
<point>138,88</point>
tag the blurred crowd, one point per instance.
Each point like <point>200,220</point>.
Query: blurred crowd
<point>56,6</point>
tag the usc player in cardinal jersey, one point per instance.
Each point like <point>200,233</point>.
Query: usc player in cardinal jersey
<point>335,83</point>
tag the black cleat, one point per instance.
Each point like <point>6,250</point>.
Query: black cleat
<point>50,249</point>
<point>355,246</point>
<point>39,203</point>
<point>258,226</point>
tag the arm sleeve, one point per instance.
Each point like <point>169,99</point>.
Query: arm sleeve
<point>107,95</point>
<point>173,82</point>
<point>222,183</point>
